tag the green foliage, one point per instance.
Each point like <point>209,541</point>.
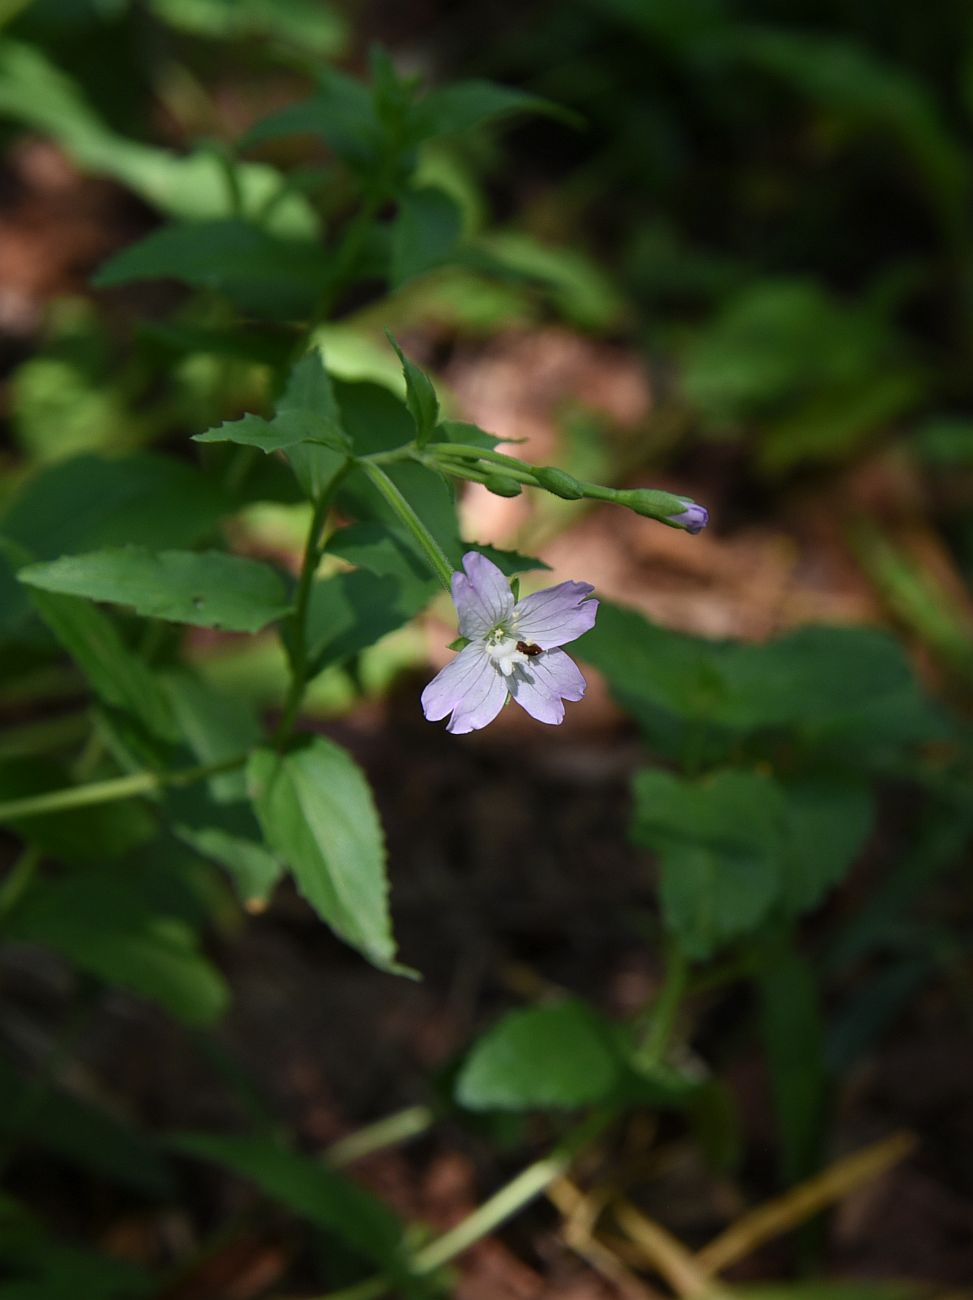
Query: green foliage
<point>207,589</point>
<point>311,1190</point>
<point>420,397</point>
<point>556,1057</point>
<point>114,925</point>
<point>317,813</point>
<point>718,842</point>
<point>258,271</point>
<point>287,429</point>
<point>89,1136</point>
<point>39,1266</point>
<point>193,187</point>
<point>814,375</point>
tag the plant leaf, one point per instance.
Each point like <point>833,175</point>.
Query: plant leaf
<point>285,430</point>
<point>557,1057</point>
<point>105,924</point>
<point>420,396</point>
<point>719,844</point>
<point>205,589</point>
<point>318,815</point>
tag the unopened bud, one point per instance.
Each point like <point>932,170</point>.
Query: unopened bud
<point>693,518</point>
<point>501,486</point>
<point>559,483</point>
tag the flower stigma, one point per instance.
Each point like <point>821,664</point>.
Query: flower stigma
<point>501,647</point>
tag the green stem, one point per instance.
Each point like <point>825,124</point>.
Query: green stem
<point>121,787</point>
<point>405,513</point>
<point>464,452</point>
<point>400,1127</point>
<point>476,473</point>
<point>298,652</point>
<point>519,1192</point>
<point>666,1009</point>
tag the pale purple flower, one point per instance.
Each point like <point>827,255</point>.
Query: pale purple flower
<point>694,518</point>
<point>514,649</point>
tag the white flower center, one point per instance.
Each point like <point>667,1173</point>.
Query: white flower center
<point>501,647</point>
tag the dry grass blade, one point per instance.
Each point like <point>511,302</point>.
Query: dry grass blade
<point>795,1207</point>
<point>666,1255</point>
<point>581,1213</point>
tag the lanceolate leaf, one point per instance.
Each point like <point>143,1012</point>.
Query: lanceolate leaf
<point>208,589</point>
<point>317,812</point>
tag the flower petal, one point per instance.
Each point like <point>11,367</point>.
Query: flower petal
<point>556,615</point>
<point>482,596</point>
<point>470,688</point>
<point>540,686</point>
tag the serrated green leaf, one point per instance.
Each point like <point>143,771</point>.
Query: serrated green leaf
<point>559,1057</point>
<point>88,502</point>
<point>426,230</point>
<point>310,1189</point>
<point>105,923</point>
<point>205,589</point>
<point>285,430</point>
<point>262,273</point>
<point>420,396</point>
<point>319,817</point>
<point>719,843</point>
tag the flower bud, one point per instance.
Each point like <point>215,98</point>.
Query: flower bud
<point>559,483</point>
<point>501,486</point>
<point>693,518</point>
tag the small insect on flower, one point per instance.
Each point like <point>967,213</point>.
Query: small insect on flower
<point>514,649</point>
